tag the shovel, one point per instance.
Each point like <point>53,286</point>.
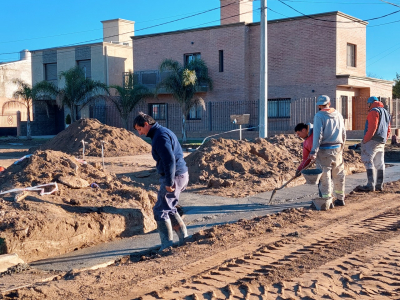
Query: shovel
<point>287,182</point>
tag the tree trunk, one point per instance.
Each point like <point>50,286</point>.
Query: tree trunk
<point>184,140</point>
<point>125,121</point>
<point>73,117</point>
<point>28,124</point>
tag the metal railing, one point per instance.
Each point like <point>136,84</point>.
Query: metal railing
<point>216,116</point>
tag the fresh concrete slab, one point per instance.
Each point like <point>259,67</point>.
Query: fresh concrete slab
<point>201,212</point>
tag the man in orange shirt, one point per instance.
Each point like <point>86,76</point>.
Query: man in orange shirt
<point>377,131</point>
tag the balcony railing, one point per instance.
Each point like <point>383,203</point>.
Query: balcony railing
<point>152,78</point>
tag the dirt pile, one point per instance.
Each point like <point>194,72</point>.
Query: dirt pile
<point>349,252</point>
<point>119,141</point>
<point>247,168</point>
<point>39,226</point>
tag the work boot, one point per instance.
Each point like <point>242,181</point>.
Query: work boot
<point>339,202</point>
<point>379,180</point>
<point>370,186</point>
<point>165,230</point>
<point>323,203</point>
<point>179,227</point>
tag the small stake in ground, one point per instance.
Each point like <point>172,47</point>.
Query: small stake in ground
<point>83,145</point>
<point>102,152</point>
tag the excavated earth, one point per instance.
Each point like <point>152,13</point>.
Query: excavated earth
<point>349,252</point>
<point>91,206</point>
<point>241,168</point>
<point>117,141</point>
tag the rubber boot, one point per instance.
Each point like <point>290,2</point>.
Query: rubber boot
<point>165,231</point>
<point>379,180</point>
<point>179,227</point>
<point>370,187</point>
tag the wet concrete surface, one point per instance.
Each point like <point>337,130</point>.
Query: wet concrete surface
<point>200,212</point>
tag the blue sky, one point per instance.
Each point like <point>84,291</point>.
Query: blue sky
<point>27,24</point>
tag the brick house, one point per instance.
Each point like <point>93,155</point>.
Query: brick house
<point>104,61</point>
<point>307,56</point>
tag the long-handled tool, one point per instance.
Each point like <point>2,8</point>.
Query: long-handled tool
<point>287,182</point>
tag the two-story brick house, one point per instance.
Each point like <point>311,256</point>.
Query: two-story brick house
<point>307,56</point>
<point>104,61</point>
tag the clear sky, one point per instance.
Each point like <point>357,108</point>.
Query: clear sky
<point>32,25</point>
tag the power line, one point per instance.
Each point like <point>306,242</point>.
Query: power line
<point>352,3</point>
<point>172,21</point>
<point>322,20</point>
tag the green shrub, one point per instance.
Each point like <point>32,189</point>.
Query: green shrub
<point>68,119</point>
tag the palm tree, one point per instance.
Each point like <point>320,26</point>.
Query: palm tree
<point>129,96</point>
<point>183,82</point>
<point>78,90</point>
<point>27,95</point>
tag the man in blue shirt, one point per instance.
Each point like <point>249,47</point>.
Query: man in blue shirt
<point>168,154</point>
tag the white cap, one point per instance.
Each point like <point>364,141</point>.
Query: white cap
<point>323,100</point>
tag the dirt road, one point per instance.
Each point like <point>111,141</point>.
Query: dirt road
<point>349,252</point>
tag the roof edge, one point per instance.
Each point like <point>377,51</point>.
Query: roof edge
<point>364,78</point>
<point>137,37</point>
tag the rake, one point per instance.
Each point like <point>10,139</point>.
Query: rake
<point>287,182</point>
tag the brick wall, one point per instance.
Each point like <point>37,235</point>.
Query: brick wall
<point>349,32</point>
<point>235,11</point>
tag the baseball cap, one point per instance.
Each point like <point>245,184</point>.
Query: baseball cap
<point>372,99</point>
<point>323,100</point>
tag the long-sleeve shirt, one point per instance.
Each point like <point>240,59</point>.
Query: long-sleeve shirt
<point>167,152</point>
<point>307,145</point>
<point>329,130</point>
<point>372,124</point>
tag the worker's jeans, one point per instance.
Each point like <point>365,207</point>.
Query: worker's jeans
<point>372,155</point>
<point>331,163</point>
<point>167,201</point>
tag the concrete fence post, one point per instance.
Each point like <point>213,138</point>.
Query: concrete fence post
<point>18,123</point>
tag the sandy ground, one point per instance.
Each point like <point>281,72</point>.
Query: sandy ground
<point>349,252</point>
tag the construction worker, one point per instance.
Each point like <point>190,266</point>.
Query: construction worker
<point>329,136</point>
<point>168,154</point>
<point>377,131</point>
<point>304,131</point>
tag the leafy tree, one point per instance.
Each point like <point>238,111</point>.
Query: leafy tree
<point>396,87</point>
<point>78,90</point>
<point>27,95</point>
<point>130,95</point>
<point>183,82</point>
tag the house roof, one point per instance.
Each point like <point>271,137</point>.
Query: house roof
<point>371,79</point>
<point>314,16</point>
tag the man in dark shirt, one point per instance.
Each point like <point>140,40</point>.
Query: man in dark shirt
<point>171,166</point>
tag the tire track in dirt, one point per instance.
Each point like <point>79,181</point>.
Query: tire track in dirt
<point>277,270</point>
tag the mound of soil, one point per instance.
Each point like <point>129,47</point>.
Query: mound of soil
<point>37,226</point>
<point>118,141</point>
<point>245,167</point>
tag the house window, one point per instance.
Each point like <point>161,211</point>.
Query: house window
<point>345,107</point>
<point>189,57</point>
<point>351,55</point>
<point>158,111</point>
<point>279,108</point>
<point>221,60</point>
<point>195,112</point>
<point>50,72</point>
<point>86,66</point>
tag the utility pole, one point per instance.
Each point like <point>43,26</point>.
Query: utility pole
<point>263,106</point>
